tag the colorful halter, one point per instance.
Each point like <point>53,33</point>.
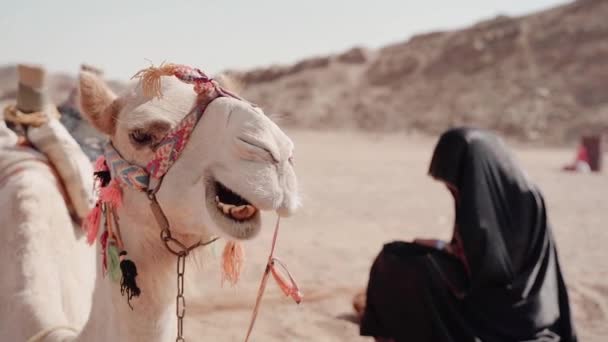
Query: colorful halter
<point>173,143</point>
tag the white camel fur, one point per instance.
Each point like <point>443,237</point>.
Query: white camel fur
<point>46,277</point>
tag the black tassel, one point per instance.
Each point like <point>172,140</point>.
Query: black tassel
<point>104,177</point>
<point>128,285</point>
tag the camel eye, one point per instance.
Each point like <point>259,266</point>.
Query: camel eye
<point>140,137</point>
<point>291,160</point>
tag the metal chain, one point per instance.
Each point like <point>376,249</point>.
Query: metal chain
<point>177,248</point>
<point>180,301</point>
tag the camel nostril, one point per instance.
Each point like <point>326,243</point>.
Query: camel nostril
<point>289,206</point>
<point>256,148</point>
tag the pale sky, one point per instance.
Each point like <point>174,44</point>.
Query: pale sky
<point>120,36</point>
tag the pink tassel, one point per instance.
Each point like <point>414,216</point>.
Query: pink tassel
<point>100,164</point>
<point>91,223</point>
<point>111,194</point>
<point>233,259</point>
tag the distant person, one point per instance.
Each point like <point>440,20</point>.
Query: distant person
<point>581,162</point>
<point>499,278</point>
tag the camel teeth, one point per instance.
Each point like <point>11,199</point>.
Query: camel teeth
<point>226,208</point>
<point>243,212</point>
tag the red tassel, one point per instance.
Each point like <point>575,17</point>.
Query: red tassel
<point>111,194</point>
<point>233,259</point>
<point>91,223</point>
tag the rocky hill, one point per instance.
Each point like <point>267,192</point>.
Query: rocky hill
<point>543,76</point>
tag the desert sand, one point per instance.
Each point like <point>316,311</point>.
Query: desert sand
<point>362,190</point>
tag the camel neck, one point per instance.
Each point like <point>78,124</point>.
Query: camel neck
<point>152,318</point>
<point>112,319</point>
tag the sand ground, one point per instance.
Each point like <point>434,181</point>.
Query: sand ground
<point>361,190</point>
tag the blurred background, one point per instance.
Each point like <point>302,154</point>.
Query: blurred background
<point>363,88</point>
<point>531,69</point>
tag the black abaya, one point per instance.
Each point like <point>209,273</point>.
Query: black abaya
<point>505,285</point>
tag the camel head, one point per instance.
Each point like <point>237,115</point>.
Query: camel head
<point>236,163</point>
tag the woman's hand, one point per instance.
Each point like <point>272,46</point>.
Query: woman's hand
<point>434,243</point>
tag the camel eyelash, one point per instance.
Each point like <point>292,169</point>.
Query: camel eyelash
<point>140,137</point>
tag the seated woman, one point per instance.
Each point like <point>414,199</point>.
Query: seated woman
<point>499,278</point>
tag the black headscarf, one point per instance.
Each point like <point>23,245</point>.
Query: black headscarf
<point>497,214</point>
<point>515,282</point>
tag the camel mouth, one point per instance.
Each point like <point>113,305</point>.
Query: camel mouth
<point>233,205</point>
<point>232,213</point>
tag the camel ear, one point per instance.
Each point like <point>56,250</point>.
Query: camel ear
<point>98,103</point>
